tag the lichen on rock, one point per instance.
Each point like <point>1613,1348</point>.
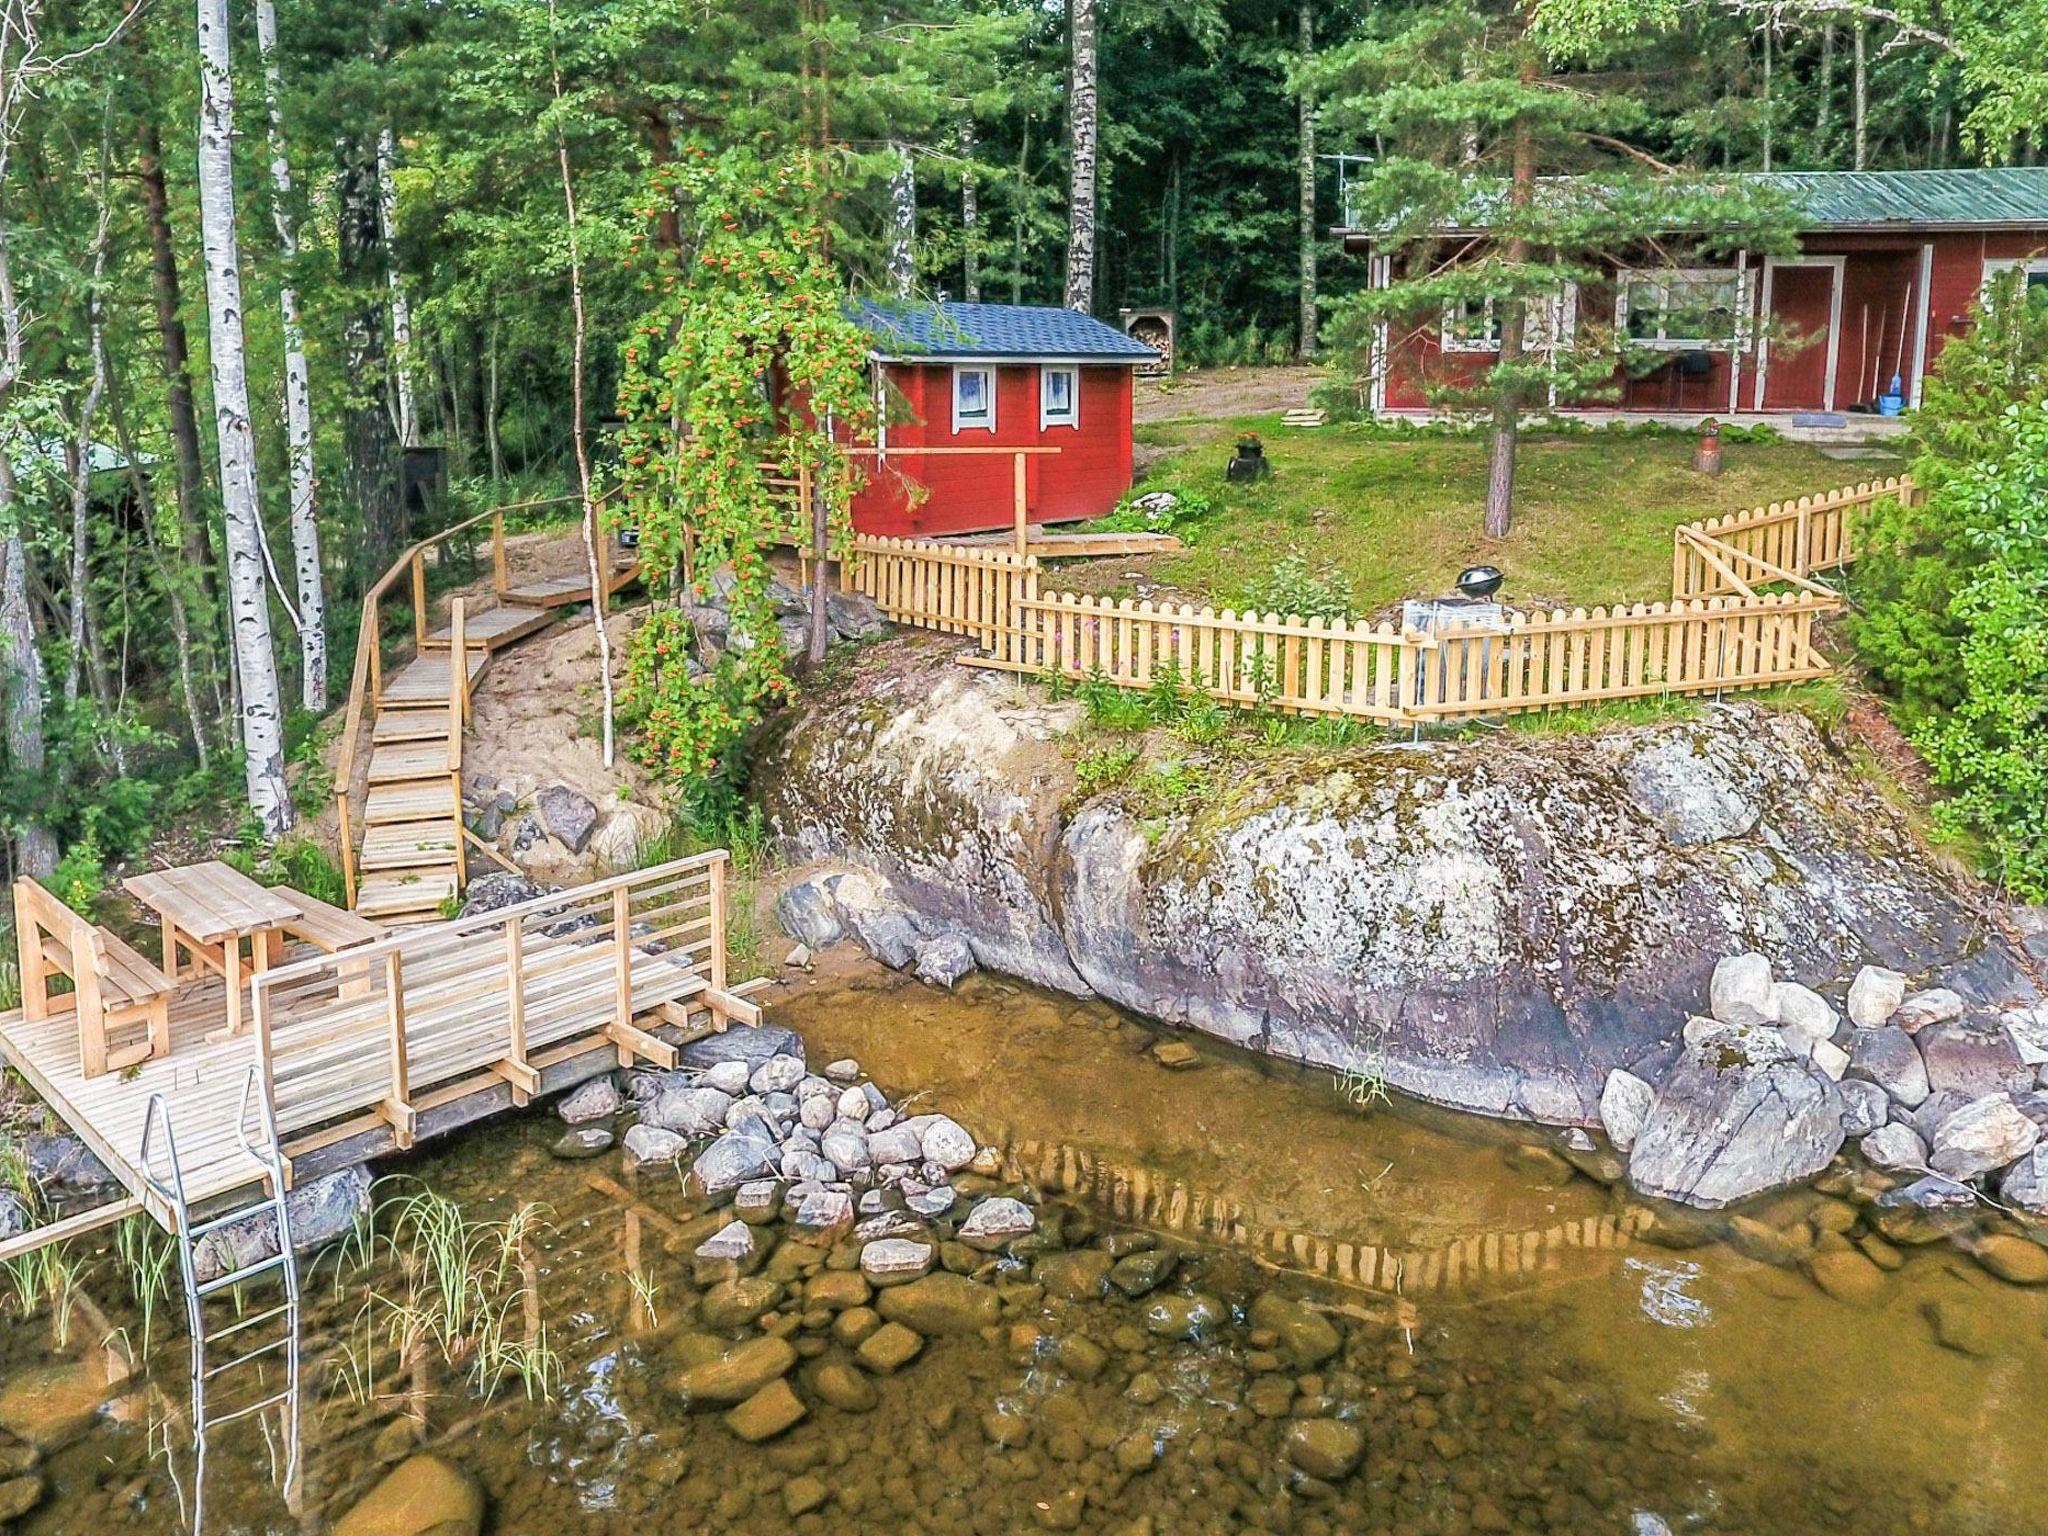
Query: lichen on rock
<point>1494,923</point>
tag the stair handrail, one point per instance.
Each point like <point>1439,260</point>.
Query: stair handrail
<point>158,1112</point>
<point>365,676</point>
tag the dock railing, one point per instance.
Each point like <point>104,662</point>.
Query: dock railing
<point>1718,633</point>
<point>391,1029</point>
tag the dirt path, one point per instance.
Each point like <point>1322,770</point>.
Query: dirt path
<point>1219,394</point>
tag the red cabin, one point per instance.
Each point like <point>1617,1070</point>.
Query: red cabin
<point>995,377</point>
<point>1889,265</point>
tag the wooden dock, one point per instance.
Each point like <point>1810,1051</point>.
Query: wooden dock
<point>379,1046</point>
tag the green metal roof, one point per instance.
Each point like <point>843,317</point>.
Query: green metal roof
<point>2000,196</point>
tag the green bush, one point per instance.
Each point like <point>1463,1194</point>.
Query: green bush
<point>1991,747</point>
<point>1189,508</point>
<point>1296,589</point>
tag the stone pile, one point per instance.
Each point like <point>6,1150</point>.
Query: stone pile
<point>1950,1098</point>
<point>828,908</point>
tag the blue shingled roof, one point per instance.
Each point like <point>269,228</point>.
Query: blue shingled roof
<point>994,331</point>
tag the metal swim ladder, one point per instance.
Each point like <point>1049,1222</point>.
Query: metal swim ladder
<point>262,1150</point>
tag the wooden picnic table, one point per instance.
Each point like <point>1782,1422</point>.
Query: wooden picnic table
<point>208,911</point>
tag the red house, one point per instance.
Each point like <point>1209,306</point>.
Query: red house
<point>1888,267</point>
<point>994,377</point>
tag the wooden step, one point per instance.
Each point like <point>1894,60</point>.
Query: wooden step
<point>559,591</point>
<point>395,845</point>
<point>409,725</point>
<point>422,683</point>
<point>494,627</point>
<point>411,800</point>
<point>386,896</point>
<point>409,760</point>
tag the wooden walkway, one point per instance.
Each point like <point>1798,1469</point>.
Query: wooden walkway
<point>405,846</point>
<point>372,1049</point>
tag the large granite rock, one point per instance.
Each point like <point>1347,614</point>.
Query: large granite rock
<point>1741,1113</point>
<point>320,1211</point>
<point>421,1496</point>
<point>1496,924</point>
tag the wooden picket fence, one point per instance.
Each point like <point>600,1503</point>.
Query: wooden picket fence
<point>1785,541</point>
<point>1717,634</point>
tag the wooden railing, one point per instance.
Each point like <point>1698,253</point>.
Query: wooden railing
<point>1710,638</point>
<point>366,677</point>
<point>1786,541</point>
<point>395,1027</point>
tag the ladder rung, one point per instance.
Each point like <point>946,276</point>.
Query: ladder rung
<point>248,1322</point>
<point>222,1282</point>
<point>215,1223</point>
<point>243,1359</point>
<point>245,1410</point>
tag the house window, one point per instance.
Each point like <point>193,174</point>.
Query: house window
<point>1474,324</point>
<point>2035,270</point>
<point>1059,398</point>
<point>974,399</point>
<point>1677,309</point>
<point>1470,325</point>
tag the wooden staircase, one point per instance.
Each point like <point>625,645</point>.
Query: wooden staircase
<point>405,846</point>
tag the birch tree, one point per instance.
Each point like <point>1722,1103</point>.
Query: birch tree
<point>1310,240</point>
<point>298,399</point>
<point>1081,146</point>
<point>401,309</point>
<point>970,218</point>
<point>903,224</point>
<point>262,715</point>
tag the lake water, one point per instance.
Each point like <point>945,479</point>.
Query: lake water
<point>1521,1347</point>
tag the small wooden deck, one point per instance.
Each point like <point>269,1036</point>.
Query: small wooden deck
<point>377,1046</point>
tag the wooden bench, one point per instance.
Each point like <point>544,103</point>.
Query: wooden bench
<point>332,929</point>
<point>115,988</point>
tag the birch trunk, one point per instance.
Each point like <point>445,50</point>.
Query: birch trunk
<point>298,397</point>
<point>903,225</point>
<point>81,468</point>
<point>1307,191</point>
<point>21,660</point>
<point>1860,95</point>
<point>262,715</point>
<point>1081,143</point>
<point>590,531</point>
<point>1823,113</point>
<point>970,218</point>
<point>401,310</point>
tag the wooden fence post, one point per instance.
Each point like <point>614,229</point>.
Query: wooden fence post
<point>419,601</point>
<point>397,1106</point>
<point>501,578</point>
<point>1023,514</point>
<point>622,964</point>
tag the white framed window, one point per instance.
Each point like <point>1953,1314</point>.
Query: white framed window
<point>2035,268</point>
<point>1059,397</point>
<point>1474,326</point>
<point>1681,309</point>
<point>974,399</point>
<point>1470,325</point>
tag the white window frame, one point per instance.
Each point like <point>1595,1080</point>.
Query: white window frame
<point>1559,313</point>
<point>1997,266</point>
<point>1047,416</point>
<point>1453,337</point>
<point>1660,278</point>
<point>988,378</point>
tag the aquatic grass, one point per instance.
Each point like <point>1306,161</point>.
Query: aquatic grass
<point>1365,1086</point>
<point>461,1278</point>
<point>43,1274</point>
<point>146,1253</point>
<point>645,1290</point>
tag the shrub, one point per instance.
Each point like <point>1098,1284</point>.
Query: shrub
<point>1294,588</point>
<point>1991,747</point>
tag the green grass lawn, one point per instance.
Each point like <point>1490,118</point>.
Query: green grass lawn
<point>1398,517</point>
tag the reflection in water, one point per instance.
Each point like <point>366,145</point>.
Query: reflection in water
<point>1523,1348</point>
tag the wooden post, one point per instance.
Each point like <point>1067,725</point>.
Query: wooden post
<point>1022,513</point>
<point>622,966</point>
<point>419,600</point>
<point>717,874</point>
<point>397,1105</point>
<point>501,579</point>
<point>373,618</point>
<point>458,711</point>
<point>515,988</point>
<point>348,844</point>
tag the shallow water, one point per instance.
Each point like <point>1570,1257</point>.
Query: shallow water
<point>1525,1349</point>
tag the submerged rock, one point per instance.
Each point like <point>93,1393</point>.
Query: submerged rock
<point>736,1374</point>
<point>1326,1448</point>
<point>940,1303</point>
<point>1498,924</point>
<point>423,1495</point>
<point>1740,1114</point>
<point>320,1211</point>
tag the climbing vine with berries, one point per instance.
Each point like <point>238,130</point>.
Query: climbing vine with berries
<point>745,358</point>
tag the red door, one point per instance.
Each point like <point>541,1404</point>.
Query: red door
<point>1796,376</point>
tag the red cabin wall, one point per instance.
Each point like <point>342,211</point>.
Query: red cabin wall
<point>975,493</point>
<point>1876,278</point>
